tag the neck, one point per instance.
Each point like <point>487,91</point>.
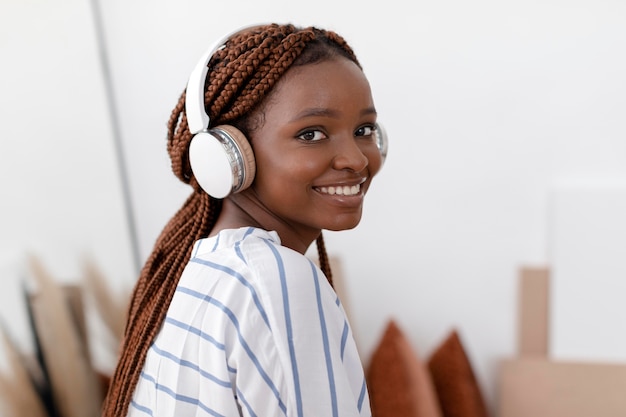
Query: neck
<point>243,209</point>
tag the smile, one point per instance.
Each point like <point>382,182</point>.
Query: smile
<point>340,190</point>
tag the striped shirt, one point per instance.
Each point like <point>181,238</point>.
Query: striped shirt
<point>254,329</point>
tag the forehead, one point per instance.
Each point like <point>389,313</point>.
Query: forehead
<point>334,83</point>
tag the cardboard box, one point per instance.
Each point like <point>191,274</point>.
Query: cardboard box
<point>539,387</point>
<point>535,384</point>
<point>533,312</point>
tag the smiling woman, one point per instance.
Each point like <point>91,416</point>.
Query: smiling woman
<point>315,146</point>
<point>229,316</point>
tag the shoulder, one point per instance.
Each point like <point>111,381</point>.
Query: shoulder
<point>278,266</point>
<point>262,255</point>
<point>250,267</point>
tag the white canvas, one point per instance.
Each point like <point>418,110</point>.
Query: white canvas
<point>588,290</point>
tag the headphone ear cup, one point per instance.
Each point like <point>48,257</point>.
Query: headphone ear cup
<point>382,141</point>
<point>222,161</point>
<point>245,155</point>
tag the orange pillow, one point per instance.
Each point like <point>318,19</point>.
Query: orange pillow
<point>457,389</point>
<point>398,382</point>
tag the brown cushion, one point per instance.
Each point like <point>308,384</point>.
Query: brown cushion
<point>452,374</point>
<point>398,381</point>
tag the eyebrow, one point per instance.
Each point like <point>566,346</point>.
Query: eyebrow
<point>322,111</point>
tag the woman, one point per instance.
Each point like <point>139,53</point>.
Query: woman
<point>229,317</point>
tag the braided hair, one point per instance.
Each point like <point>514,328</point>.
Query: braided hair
<point>241,75</point>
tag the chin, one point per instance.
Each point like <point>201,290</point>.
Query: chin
<point>344,225</point>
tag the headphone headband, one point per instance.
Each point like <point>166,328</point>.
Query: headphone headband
<point>197,118</point>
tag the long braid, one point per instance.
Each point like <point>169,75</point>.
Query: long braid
<point>323,259</point>
<point>241,75</point>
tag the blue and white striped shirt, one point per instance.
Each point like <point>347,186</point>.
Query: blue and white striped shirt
<point>254,329</point>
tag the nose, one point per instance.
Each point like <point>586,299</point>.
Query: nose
<point>349,154</point>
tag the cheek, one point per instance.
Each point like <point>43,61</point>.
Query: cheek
<point>276,174</point>
<point>300,166</point>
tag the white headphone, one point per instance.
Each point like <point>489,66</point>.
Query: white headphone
<point>221,158</point>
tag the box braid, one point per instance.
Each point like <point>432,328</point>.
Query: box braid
<point>241,75</point>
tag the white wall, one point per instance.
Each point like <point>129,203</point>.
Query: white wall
<point>61,195</point>
<point>488,105</point>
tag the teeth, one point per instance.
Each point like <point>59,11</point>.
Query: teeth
<point>345,190</point>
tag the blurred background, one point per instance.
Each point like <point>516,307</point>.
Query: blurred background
<point>507,125</point>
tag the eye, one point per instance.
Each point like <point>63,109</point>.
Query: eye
<point>367,130</point>
<point>312,135</point>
